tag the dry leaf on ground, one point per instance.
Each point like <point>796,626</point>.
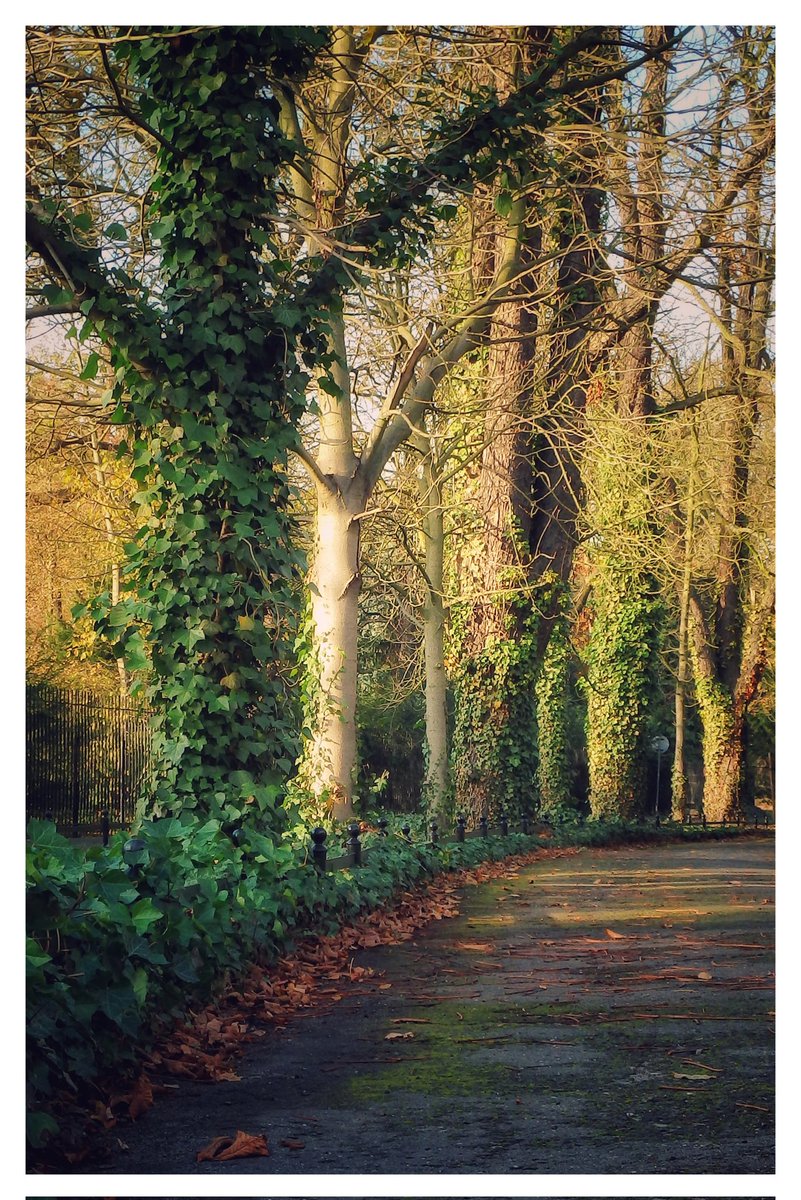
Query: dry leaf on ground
<point>243,1145</point>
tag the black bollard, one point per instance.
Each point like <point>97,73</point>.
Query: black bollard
<point>434,832</point>
<point>319,849</point>
<point>482,826</point>
<point>382,826</point>
<point>105,826</point>
<point>461,825</point>
<point>525,827</point>
<point>354,845</point>
<point>504,824</point>
<point>407,831</point>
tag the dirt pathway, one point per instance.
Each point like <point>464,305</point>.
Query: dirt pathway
<point>609,1012</point>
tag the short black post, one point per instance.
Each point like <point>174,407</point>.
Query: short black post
<point>406,830</point>
<point>461,825</point>
<point>319,849</point>
<point>482,826</point>
<point>504,823</point>
<point>354,845</point>
<point>48,815</point>
<point>434,832</point>
<point>105,826</point>
<point>382,826</point>
<point>524,824</point>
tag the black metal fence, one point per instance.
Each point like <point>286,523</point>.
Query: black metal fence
<point>84,753</point>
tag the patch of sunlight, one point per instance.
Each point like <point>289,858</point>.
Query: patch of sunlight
<point>608,916</point>
<point>498,920</point>
<point>694,885</point>
<point>646,872</point>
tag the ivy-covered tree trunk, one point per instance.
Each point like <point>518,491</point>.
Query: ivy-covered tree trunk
<point>493,634</point>
<point>620,684</point>
<point>625,634</point>
<point>208,383</point>
<point>731,613</point>
<point>553,773</point>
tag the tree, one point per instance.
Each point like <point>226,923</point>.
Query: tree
<point>209,384</point>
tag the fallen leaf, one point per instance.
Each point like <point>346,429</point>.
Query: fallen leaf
<point>244,1145</point>
<point>76,1156</point>
<point>397,1036</point>
<point>617,937</point>
<point>141,1097</point>
<point>382,987</point>
<point>682,1075</point>
<point>704,975</point>
<point>293,1144</point>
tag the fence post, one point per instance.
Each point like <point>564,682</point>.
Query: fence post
<point>461,823</point>
<point>434,832</point>
<point>524,825</point>
<point>504,823</point>
<point>122,776</point>
<point>75,782</point>
<point>482,826</point>
<point>105,826</point>
<point>354,845</point>
<point>319,850</point>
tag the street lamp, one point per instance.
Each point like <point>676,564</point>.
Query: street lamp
<point>660,745</point>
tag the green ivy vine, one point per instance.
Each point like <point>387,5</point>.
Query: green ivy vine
<point>551,690</point>
<point>721,749</point>
<point>619,687</point>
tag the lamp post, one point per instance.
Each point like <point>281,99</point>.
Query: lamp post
<point>660,745</point>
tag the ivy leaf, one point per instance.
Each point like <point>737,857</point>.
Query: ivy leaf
<point>91,368</point>
<point>503,204</point>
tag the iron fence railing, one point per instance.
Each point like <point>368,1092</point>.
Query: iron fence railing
<point>85,754</point>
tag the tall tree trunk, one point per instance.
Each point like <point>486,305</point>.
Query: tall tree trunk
<point>335,587</point>
<point>436,680</point>
<point>624,639</point>
<point>335,583</point>
<point>679,786</point>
